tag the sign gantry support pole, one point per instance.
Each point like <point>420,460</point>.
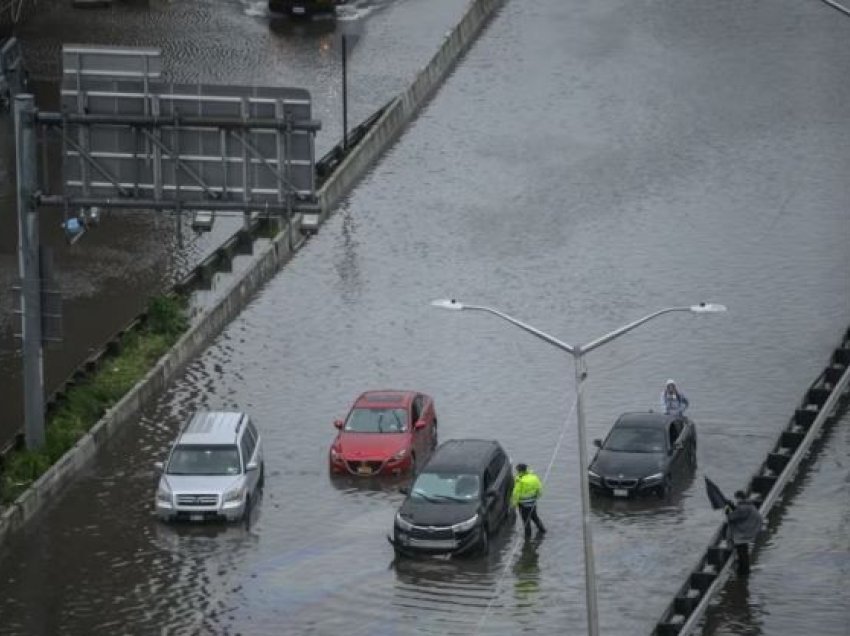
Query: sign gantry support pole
<point>30,270</point>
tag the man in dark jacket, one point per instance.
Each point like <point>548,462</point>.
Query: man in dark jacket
<point>744,522</point>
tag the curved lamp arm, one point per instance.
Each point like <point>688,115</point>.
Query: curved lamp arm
<point>457,306</point>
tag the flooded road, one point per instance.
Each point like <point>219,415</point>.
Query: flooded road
<point>584,166</point>
<point>207,41</point>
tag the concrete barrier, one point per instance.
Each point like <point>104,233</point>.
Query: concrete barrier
<point>377,141</point>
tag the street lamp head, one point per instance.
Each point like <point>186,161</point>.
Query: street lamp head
<point>708,308</point>
<point>445,303</point>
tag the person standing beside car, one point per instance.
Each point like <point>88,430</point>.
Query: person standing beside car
<point>744,522</point>
<point>527,491</point>
<point>673,401</point>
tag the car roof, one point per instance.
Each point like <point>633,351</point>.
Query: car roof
<point>212,427</point>
<point>389,398</point>
<point>645,419</point>
<point>462,455</point>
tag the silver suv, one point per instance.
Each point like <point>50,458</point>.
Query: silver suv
<point>214,469</point>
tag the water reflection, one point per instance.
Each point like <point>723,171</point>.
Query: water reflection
<point>318,26</point>
<point>526,571</point>
<point>736,611</point>
<point>613,508</point>
<point>390,484</point>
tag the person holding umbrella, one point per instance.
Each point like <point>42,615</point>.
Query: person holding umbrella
<point>744,522</point>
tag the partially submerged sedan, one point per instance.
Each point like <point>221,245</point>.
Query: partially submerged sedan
<point>643,453</point>
<point>386,433</point>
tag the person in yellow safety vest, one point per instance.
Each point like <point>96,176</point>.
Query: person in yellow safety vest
<point>527,490</point>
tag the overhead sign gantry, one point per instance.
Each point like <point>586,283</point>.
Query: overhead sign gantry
<point>131,140</point>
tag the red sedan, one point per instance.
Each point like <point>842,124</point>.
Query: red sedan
<point>386,432</point>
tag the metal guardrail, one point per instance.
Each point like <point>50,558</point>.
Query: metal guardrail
<point>821,400</point>
<point>331,160</point>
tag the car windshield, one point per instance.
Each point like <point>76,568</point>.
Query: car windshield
<point>204,460</point>
<point>633,439</point>
<point>377,421</point>
<point>446,487</point>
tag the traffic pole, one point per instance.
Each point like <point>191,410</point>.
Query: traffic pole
<point>30,270</point>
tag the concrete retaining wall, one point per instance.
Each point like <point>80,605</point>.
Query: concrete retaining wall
<point>379,139</point>
<point>405,107</point>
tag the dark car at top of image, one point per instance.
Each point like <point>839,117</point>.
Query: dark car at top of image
<point>458,501</point>
<point>386,433</point>
<point>304,8</point>
<point>643,453</point>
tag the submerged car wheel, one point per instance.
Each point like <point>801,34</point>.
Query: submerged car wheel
<point>665,487</point>
<point>484,542</point>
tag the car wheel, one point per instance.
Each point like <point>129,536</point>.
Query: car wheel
<point>246,511</point>
<point>484,542</point>
<point>665,487</point>
<point>434,435</point>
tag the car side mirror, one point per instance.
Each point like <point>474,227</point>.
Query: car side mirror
<point>251,466</point>
<point>420,424</point>
<point>338,424</point>
<point>159,466</point>
<point>597,443</point>
<point>404,490</point>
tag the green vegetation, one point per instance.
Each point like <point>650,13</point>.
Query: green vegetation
<point>269,228</point>
<point>86,402</point>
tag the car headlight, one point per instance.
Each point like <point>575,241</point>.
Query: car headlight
<point>163,493</point>
<point>402,523</point>
<point>463,526</point>
<point>399,455</point>
<point>593,476</point>
<point>335,454</point>
<point>234,494</point>
<point>655,477</point>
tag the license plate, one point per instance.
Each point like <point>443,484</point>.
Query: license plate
<point>621,492</point>
<point>364,470</point>
<point>196,517</point>
<point>434,544</point>
<point>298,10</point>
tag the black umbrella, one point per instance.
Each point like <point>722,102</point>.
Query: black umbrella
<point>715,495</point>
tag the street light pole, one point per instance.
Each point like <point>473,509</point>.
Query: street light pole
<point>577,352</point>
<point>586,529</point>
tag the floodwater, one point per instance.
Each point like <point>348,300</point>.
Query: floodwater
<point>209,41</point>
<point>585,165</point>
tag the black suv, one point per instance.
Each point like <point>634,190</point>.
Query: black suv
<point>643,453</point>
<point>458,500</point>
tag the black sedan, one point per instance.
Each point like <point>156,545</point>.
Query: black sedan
<point>643,453</point>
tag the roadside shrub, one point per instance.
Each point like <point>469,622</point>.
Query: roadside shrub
<point>86,402</point>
